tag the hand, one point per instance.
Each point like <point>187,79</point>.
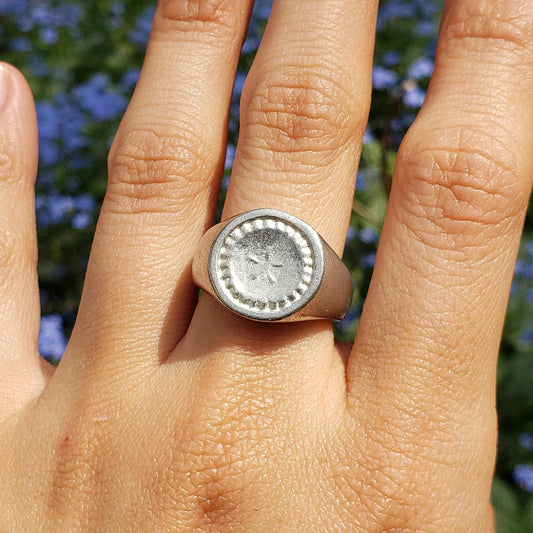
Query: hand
<point>167,414</point>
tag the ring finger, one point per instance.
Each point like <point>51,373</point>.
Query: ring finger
<point>303,114</point>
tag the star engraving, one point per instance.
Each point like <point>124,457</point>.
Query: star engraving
<point>266,267</point>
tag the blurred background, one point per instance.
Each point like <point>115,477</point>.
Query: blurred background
<point>82,59</point>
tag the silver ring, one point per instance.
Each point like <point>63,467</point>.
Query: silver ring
<point>268,265</point>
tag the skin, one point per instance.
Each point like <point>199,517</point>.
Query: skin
<point>168,414</point>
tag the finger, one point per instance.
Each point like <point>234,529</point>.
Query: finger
<point>164,170</point>
<point>426,348</point>
<point>303,114</point>
<point>22,372</point>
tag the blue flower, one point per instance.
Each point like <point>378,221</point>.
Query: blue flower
<point>401,123</point>
<point>84,202</point>
<point>81,220</point>
<point>48,133</point>
<point>251,43</point>
<point>224,183</point>
<point>20,44</point>
<point>262,9</point>
<point>44,15</point>
<point>392,58</point>
<point>523,269</point>
<point>526,337</point>
<point>368,260</point>
<point>425,28</point>
<point>54,208</point>
<point>421,68</point>
<point>238,85</point>
<point>413,96</point>
<point>425,8</point>
<point>129,79</point>
<point>48,120</point>
<point>368,136</point>
<point>52,340</point>
<point>97,98</point>
<point>38,65</point>
<point>361,183</point>
<point>143,27</point>
<point>41,13</point>
<point>65,14</point>
<point>230,156</point>
<point>14,9</point>
<point>526,441</point>
<point>350,234</point>
<point>260,14</point>
<point>368,236</point>
<point>383,78</point>
<point>529,296</point>
<point>393,10</point>
<point>117,8</point>
<point>49,35</point>
<point>62,122</point>
<point>523,477</point>
<point>72,123</point>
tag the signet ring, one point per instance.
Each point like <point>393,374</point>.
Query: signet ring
<point>268,265</point>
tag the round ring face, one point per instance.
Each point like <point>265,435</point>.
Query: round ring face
<point>266,264</point>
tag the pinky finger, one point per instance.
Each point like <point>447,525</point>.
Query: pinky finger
<point>22,372</point>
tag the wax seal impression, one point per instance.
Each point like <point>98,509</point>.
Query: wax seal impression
<point>266,264</point>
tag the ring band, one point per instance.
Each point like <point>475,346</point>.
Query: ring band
<point>268,265</point>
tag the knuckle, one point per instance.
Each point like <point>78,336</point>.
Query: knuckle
<point>453,195</point>
<point>14,253</point>
<point>8,169</point>
<point>502,25</point>
<point>79,464</point>
<point>219,495</point>
<point>154,172</point>
<point>11,168</point>
<point>401,476</point>
<point>207,16</point>
<point>299,112</point>
<point>211,471</point>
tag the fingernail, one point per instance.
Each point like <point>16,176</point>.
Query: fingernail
<point>4,83</point>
